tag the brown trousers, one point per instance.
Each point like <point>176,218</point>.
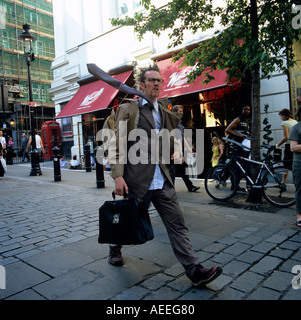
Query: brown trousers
<point>166,202</point>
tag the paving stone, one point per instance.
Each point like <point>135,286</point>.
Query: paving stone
<point>281,253</point>
<point>58,261</point>
<point>133,293</point>
<point>132,272</point>
<point>288,232</point>
<point>263,247</point>
<point>166,292</point>
<point>27,295</point>
<point>219,283</point>
<point>153,251</point>
<point>157,281</point>
<point>253,228</point>
<point>277,238</point>
<point>175,270</point>
<point>247,282</point>
<point>181,284</point>
<point>61,285</point>
<point>250,257</point>
<point>252,240</point>
<point>288,265</point>
<point>235,268</point>
<point>19,277</point>
<point>230,294</point>
<point>204,256</point>
<point>222,258</point>
<point>229,240</point>
<point>292,294</point>
<point>291,245</point>
<point>198,294</point>
<point>279,281</point>
<point>297,255</point>
<point>92,291</point>
<point>10,247</point>
<point>266,265</point>
<point>237,248</point>
<point>215,247</point>
<point>241,234</point>
<point>296,238</point>
<point>264,294</point>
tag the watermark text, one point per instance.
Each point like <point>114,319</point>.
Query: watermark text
<point>296,22</point>
<point>296,281</point>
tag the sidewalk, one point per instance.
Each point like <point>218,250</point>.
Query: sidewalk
<point>48,245</point>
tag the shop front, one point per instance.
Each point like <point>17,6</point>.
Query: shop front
<point>83,116</point>
<point>210,106</point>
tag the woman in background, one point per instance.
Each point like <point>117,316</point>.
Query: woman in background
<point>295,138</point>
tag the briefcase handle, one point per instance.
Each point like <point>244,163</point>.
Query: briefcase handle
<point>125,195</point>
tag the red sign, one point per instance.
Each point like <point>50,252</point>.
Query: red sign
<point>33,104</point>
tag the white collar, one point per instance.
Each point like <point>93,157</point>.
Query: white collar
<point>155,104</point>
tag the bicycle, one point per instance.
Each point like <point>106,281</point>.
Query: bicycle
<point>221,180</point>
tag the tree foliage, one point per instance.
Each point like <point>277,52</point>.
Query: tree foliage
<point>232,48</point>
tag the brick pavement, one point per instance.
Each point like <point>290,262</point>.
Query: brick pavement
<point>48,246</point>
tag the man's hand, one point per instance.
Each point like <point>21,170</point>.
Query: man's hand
<point>177,158</point>
<point>120,186</point>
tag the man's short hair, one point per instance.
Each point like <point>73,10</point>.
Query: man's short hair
<point>140,74</point>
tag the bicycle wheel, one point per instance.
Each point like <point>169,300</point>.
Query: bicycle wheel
<point>279,191</point>
<point>220,183</point>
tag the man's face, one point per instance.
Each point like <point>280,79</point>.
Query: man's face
<point>180,110</point>
<point>152,84</point>
<point>246,111</point>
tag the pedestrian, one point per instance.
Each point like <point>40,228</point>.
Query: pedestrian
<point>181,169</point>
<point>10,142</point>
<point>39,143</point>
<point>24,142</point>
<point>239,130</point>
<point>2,162</point>
<point>295,144</point>
<point>222,151</point>
<point>3,143</point>
<point>152,181</point>
<point>75,164</point>
<point>287,123</point>
<point>215,151</point>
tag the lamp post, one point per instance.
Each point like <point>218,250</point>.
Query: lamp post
<point>28,39</point>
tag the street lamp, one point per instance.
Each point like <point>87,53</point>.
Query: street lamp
<point>28,39</point>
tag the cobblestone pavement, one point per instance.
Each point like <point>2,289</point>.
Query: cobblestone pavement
<point>49,249</point>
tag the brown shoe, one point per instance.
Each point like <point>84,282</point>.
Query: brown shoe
<point>203,276</point>
<point>115,257</point>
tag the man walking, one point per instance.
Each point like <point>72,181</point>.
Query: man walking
<point>24,142</point>
<point>152,181</point>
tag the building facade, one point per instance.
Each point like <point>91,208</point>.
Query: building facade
<point>15,118</point>
<point>83,34</point>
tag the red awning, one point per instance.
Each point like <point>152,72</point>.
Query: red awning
<point>92,97</point>
<point>175,79</point>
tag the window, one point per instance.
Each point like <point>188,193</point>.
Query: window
<point>126,6</point>
<point>67,126</point>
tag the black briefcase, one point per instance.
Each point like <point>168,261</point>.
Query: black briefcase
<point>124,221</point>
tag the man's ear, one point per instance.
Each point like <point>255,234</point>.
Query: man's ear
<point>142,86</point>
